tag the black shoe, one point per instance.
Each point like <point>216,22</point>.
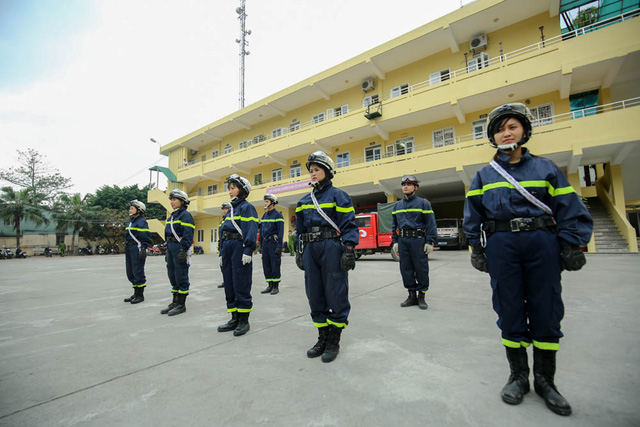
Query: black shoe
<point>170,306</point>
<point>544,370</point>
<point>518,384</point>
<point>221,285</point>
<point>411,300</point>
<point>231,324</point>
<point>274,290</point>
<point>268,290</point>
<point>181,306</point>
<point>421,302</point>
<point>131,297</point>
<point>318,348</point>
<point>138,296</point>
<point>243,324</point>
<point>333,344</point>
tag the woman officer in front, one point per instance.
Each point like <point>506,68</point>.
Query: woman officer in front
<point>326,237</point>
<point>524,227</point>
<point>178,234</point>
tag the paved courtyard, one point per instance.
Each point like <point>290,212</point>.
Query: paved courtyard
<point>72,353</point>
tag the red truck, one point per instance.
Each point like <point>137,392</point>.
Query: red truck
<point>375,231</point>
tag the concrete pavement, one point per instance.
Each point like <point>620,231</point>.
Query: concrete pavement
<point>72,353</point>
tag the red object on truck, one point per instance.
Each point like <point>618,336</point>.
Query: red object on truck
<point>375,232</point>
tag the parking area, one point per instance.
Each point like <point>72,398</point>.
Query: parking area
<point>73,353</point>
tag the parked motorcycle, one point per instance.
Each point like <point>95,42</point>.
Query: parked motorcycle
<point>20,253</point>
<point>7,253</point>
<point>115,249</point>
<point>85,251</point>
<point>3,255</point>
<point>100,250</point>
<point>47,252</point>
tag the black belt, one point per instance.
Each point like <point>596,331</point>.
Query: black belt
<point>317,234</point>
<point>405,232</point>
<point>172,239</point>
<point>230,235</point>
<point>516,225</point>
<point>130,243</point>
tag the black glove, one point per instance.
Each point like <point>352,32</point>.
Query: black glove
<point>182,257</point>
<point>571,256</point>
<point>278,251</point>
<point>348,260</point>
<point>479,259</point>
<point>299,262</point>
<point>142,254</point>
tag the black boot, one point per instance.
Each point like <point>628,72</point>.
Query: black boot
<point>421,302</point>
<point>319,347</point>
<point>231,324</point>
<point>132,296</point>
<point>138,296</point>
<point>544,371</point>
<point>332,345</point>
<point>181,307</point>
<point>243,324</point>
<point>221,285</point>
<point>275,290</point>
<point>269,288</point>
<point>170,306</point>
<point>518,384</point>
<point>412,300</point>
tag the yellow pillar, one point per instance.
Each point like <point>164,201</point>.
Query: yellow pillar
<point>574,180</point>
<point>614,177</point>
<point>392,198</point>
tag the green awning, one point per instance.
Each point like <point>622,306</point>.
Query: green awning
<point>166,171</point>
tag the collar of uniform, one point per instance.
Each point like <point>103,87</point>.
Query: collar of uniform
<point>237,202</point>
<point>411,197</point>
<point>326,185</point>
<point>504,157</point>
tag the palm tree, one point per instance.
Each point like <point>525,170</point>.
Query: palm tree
<point>20,206</point>
<point>73,211</point>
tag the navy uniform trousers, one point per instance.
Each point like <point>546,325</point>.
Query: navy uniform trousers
<point>135,267</point>
<point>326,284</point>
<point>178,273</point>
<point>525,270</point>
<point>414,263</point>
<point>271,261</point>
<point>237,277</point>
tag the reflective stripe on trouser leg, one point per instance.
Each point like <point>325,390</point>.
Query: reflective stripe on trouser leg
<point>414,264</point>
<point>525,279</point>
<point>237,277</point>
<point>326,285</point>
<point>271,262</point>
<point>178,273</point>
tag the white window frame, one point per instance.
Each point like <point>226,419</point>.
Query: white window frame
<point>200,235</point>
<point>214,154</point>
<point>257,179</point>
<point>276,175</point>
<point>394,149</point>
<point>373,157</point>
<point>338,111</point>
<point>399,90</point>
<point>258,139</point>
<point>277,132</point>
<point>212,189</point>
<point>203,158</point>
<point>370,100</point>
<point>479,129</point>
<point>294,126</point>
<point>343,160</point>
<point>439,76</point>
<point>225,187</point>
<point>444,137</point>
<point>535,112</point>
<point>295,171</point>
<point>317,118</point>
<point>228,149</point>
<point>200,191</point>
<point>244,144</point>
<point>479,61</point>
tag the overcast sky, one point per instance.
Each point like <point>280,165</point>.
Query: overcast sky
<point>87,83</point>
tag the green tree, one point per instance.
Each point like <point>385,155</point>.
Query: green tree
<point>20,206</point>
<point>34,174</point>
<point>74,211</point>
<point>118,199</point>
<point>585,17</point>
<point>109,225</point>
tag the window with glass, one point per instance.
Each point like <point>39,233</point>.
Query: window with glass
<point>442,137</point>
<point>400,147</point>
<point>244,144</point>
<point>227,149</point>
<point>276,133</point>
<point>342,160</point>
<point>214,154</point>
<point>257,179</point>
<point>200,191</point>
<point>212,189</point>
<point>295,171</point>
<point>317,118</point>
<point>372,153</point>
<point>338,111</point>
<point>370,100</point>
<point>276,175</point>
<point>479,60</point>
<point>259,138</point>
<point>200,236</point>
<point>583,104</point>
<point>542,115</point>
<point>479,129</point>
<point>294,126</point>
<point>400,90</point>
<point>439,76</point>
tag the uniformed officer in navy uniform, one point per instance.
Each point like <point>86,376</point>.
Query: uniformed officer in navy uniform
<point>238,241</point>
<point>524,242</point>
<point>325,245</point>
<point>225,208</point>
<point>271,234</point>
<point>414,234</point>
<point>178,234</point>
<point>138,238</point>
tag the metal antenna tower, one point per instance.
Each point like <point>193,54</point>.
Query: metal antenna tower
<point>242,16</point>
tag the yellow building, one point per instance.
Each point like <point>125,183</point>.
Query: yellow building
<point>418,104</point>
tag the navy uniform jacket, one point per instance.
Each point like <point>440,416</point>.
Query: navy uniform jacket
<point>490,197</point>
<point>140,229</point>
<point>414,213</point>
<point>183,225</point>
<point>272,223</point>
<point>337,205</point>
<point>246,217</point>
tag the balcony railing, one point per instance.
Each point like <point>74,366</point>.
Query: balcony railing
<point>539,46</point>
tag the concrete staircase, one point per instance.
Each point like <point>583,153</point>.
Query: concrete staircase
<point>607,236</point>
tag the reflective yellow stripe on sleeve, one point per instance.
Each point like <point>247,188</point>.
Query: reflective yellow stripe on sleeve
<point>553,192</point>
<point>137,229</point>
<point>327,206</point>
<point>411,210</point>
<point>185,224</point>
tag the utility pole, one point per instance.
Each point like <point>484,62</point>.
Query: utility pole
<point>242,16</point>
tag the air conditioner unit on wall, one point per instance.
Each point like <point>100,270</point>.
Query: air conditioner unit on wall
<point>367,85</point>
<point>478,41</point>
